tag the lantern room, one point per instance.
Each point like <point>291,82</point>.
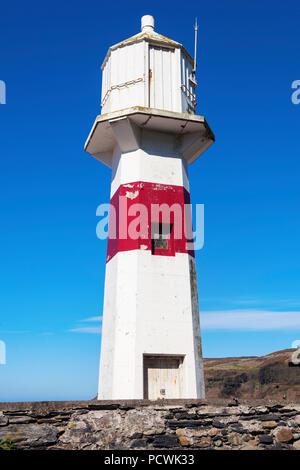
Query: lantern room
<point>148,70</point>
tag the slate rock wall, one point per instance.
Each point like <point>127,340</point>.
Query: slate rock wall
<point>169,424</point>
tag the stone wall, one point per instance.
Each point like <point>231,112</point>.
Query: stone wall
<point>169,424</point>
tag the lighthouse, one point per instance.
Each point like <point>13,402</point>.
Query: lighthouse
<point>148,134</point>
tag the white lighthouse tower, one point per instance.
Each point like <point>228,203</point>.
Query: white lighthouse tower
<point>148,134</point>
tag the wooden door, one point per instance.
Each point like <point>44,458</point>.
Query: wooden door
<point>162,377</point>
<point>162,83</point>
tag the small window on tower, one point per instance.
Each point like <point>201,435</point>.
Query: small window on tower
<point>161,242</point>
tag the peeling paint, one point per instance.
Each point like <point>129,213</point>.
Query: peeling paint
<point>132,195</point>
<point>150,195</point>
<point>163,187</point>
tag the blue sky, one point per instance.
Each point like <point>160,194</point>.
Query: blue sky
<point>52,264</point>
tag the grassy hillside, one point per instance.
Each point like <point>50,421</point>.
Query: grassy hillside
<point>270,376</point>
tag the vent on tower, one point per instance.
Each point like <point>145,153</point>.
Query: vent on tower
<point>147,24</point>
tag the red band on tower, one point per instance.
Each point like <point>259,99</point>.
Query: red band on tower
<point>150,216</point>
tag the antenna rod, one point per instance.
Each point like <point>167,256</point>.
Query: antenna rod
<point>195,55</point>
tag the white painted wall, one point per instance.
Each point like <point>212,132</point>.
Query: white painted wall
<point>148,309</point>
<point>145,73</point>
<point>151,302</point>
<point>123,78</point>
<point>157,161</point>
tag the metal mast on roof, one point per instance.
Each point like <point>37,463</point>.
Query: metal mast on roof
<point>195,54</point>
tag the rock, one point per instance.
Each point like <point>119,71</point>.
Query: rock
<point>20,420</point>
<point>253,428</point>
<point>54,420</point>
<point>208,411</point>
<point>144,420</point>
<point>30,435</point>
<point>138,444</point>
<point>283,435</point>
<point>3,419</point>
<point>182,416</point>
<point>296,445</point>
<point>174,424</point>
<point>183,441</point>
<point>166,441</point>
<point>204,442</point>
<point>262,409</point>
<point>217,424</point>
<point>235,439</point>
<point>237,427</point>
<point>100,428</point>
<point>218,443</point>
<point>281,424</point>
<point>245,410</point>
<point>232,420</point>
<point>254,442</point>
<point>102,420</point>
<point>269,424</point>
<point>97,405</point>
<point>153,431</point>
<point>213,432</point>
<point>200,433</point>
<point>265,439</point>
<point>233,402</point>
<point>297,419</point>
<point>269,417</point>
<point>136,435</point>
